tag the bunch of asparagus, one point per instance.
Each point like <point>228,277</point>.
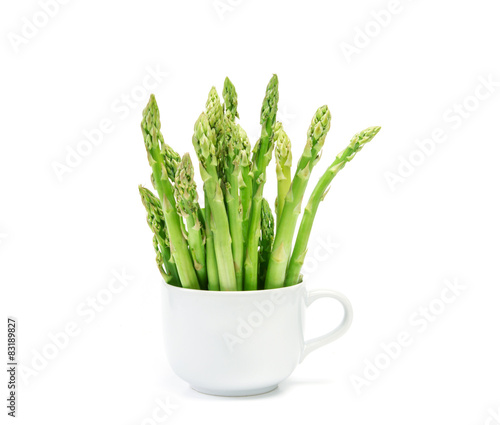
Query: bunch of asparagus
<point>230,244</point>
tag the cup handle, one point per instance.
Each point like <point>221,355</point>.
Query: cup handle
<point>336,333</point>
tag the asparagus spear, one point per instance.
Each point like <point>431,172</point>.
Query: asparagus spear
<point>245,182</point>
<point>283,155</point>
<point>172,160</point>
<point>263,152</point>
<point>159,262</point>
<point>187,203</point>
<point>267,121</point>
<point>163,163</point>
<point>161,243</point>
<point>252,249</point>
<point>169,274</point>
<point>215,115</point>
<point>254,231</point>
<point>204,141</point>
<point>230,100</point>
<point>215,112</point>
<point>231,166</point>
<point>319,193</point>
<point>266,241</point>
<point>278,262</point>
<point>213,274</point>
<point>245,178</point>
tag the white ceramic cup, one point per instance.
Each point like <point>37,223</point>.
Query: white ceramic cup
<point>241,343</point>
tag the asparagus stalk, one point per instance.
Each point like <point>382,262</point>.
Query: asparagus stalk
<point>262,156</point>
<point>204,140</point>
<point>319,193</point>
<point>161,243</point>
<point>283,155</point>
<point>252,249</point>
<point>254,231</point>
<point>167,277</point>
<point>278,262</point>
<point>230,100</point>
<point>169,274</point>
<point>245,178</point>
<point>230,184</point>
<point>266,241</point>
<point>213,275</point>
<point>215,112</point>
<point>246,182</point>
<point>172,160</point>
<point>187,203</point>
<point>215,115</point>
<point>163,163</point>
<point>267,121</point>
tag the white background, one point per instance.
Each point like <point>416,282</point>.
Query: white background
<point>390,250</point>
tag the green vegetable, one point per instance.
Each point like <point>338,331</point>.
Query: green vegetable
<point>161,243</point>
<point>164,162</point>
<point>231,158</point>
<point>278,262</point>
<point>187,204</point>
<point>230,99</point>
<point>283,155</point>
<point>246,182</point>
<point>319,193</point>
<point>204,141</point>
<point>215,117</point>
<point>267,121</point>
<point>262,155</point>
<point>213,274</point>
<point>266,241</point>
<point>232,243</point>
<point>254,231</point>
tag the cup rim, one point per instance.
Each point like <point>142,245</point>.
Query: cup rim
<point>230,293</point>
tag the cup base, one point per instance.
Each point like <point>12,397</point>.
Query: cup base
<point>235,393</point>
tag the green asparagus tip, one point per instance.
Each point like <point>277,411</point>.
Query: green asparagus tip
<point>364,137</point>
<point>270,103</point>
<point>214,111</point>
<point>185,187</point>
<point>213,98</point>
<point>283,146</point>
<point>230,99</point>
<point>245,141</point>
<point>155,214</point>
<point>151,104</point>
<point>144,193</point>
<point>151,111</point>
<point>148,199</point>
<point>320,124</point>
<point>171,159</point>
<point>204,140</point>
